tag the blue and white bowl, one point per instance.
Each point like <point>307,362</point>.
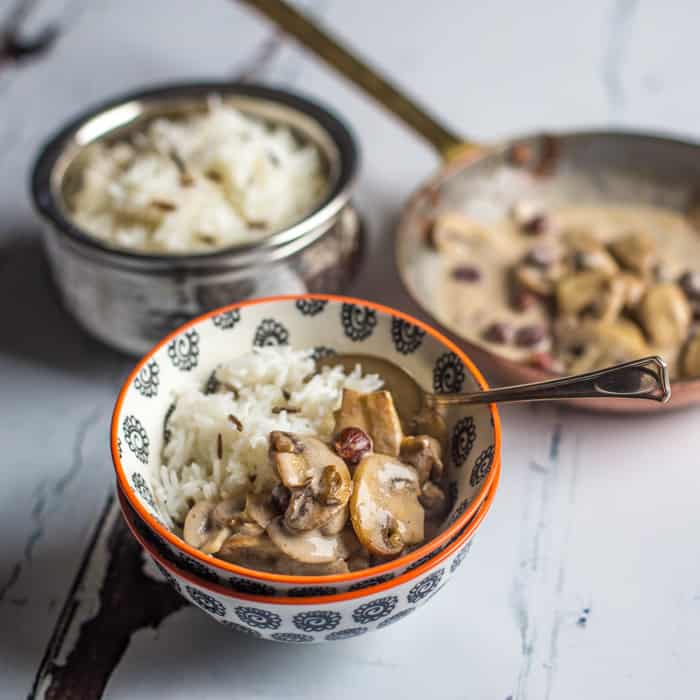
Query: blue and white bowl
<point>328,323</point>
<point>314,614</point>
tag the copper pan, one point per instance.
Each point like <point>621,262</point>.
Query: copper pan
<point>555,168</point>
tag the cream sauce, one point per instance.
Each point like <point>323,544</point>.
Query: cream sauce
<point>470,307</point>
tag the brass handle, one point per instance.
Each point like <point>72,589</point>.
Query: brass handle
<point>640,379</point>
<point>325,46</point>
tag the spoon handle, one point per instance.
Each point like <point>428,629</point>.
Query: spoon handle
<point>640,379</point>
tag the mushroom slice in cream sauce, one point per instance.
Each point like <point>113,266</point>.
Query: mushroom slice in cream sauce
<point>525,285</point>
<point>366,497</point>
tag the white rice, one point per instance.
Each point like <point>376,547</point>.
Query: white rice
<point>242,180</point>
<point>191,468</point>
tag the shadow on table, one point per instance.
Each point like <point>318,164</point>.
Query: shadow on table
<point>35,328</point>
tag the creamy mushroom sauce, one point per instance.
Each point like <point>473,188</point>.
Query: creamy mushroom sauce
<point>369,496</point>
<point>574,288</point>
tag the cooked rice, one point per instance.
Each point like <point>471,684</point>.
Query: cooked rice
<point>250,387</point>
<point>205,182</point>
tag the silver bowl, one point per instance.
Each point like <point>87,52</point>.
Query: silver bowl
<point>130,300</point>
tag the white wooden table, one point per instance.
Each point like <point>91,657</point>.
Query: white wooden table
<point>584,581</point>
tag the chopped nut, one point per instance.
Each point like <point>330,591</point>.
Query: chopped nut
<point>466,273</point>
<point>499,332</point>
<point>529,335</point>
<point>352,444</point>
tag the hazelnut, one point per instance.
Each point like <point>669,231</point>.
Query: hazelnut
<point>498,332</point>
<point>352,444</point>
<point>527,336</point>
<point>466,273</point>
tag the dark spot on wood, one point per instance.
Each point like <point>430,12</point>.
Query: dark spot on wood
<point>129,601</point>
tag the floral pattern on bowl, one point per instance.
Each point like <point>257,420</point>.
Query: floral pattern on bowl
<point>188,357</point>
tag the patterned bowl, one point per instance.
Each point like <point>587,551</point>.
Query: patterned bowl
<point>313,615</point>
<point>188,357</point>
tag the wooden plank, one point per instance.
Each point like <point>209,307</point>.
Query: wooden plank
<point>86,644</point>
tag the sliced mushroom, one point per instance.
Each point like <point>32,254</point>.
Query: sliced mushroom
<point>384,507</point>
<point>665,314</point>
<point>214,544</point>
<point>457,234</point>
<point>634,287</point>
<point>199,525</point>
<point>287,565</point>
<point>306,512</point>
<point>434,500</point>
<point>228,510</point>
<point>533,278</point>
<point>287,452</point>
<point>374,413</point>
<point>635,251</point>
<point>318,480</point>
<point>690,364</point>
<point>595,344</point>
<point>310,547</point>
<point>581,290</point>
<point>260,508</point>
<point>425,454</point>
<point>336,522</point>
<point>248,546</point>
<point>591,255</point>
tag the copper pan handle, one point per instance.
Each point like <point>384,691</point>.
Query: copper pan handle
<point>325,46</point>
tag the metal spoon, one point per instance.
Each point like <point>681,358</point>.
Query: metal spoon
<point>640,379</point>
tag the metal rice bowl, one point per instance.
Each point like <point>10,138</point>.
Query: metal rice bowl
<point>130,300</point>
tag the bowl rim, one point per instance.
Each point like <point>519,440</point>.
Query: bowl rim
<point>402,561</point>
<point>463,540</point>
<point>337,196</point>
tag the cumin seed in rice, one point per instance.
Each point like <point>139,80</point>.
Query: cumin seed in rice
<point>232,419</point>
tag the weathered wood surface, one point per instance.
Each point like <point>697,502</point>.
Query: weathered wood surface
<point>584,581</point>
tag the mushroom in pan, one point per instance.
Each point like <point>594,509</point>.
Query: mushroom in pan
<point>593,344</point>
<point>665,314</point>
<point>635,252</point>
<point>384,508</point>
<point>690,364</point>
